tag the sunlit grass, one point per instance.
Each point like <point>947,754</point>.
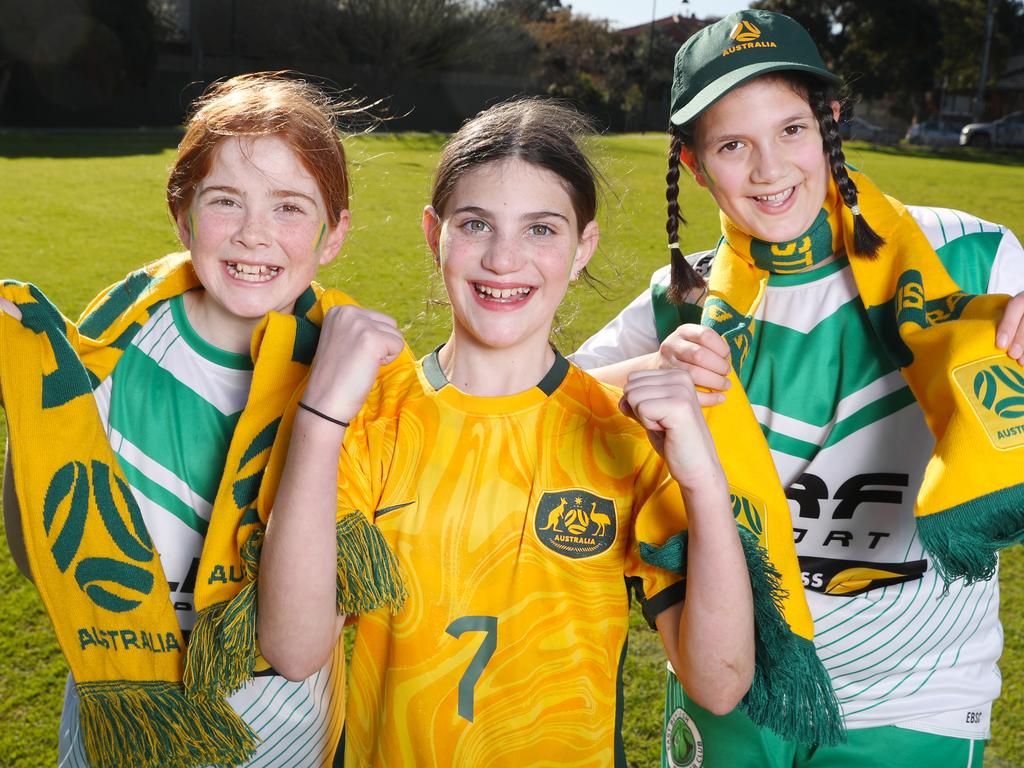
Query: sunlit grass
<point>80,210</point>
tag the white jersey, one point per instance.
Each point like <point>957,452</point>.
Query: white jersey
<point>170,377</point>
<point>850,444</point>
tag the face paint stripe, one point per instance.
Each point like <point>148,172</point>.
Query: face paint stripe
<point>320,237</point>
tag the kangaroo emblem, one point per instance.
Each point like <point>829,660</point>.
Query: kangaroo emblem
<point>555,517</point>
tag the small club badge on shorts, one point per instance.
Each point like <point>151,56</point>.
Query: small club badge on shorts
<point>575,523</point>
<point>684,747</point>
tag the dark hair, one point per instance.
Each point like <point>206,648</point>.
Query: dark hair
<point>820,97</point>
<point>266,104</point>
<point>539,131</point>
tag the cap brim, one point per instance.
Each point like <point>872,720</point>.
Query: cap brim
<point>716,90</point>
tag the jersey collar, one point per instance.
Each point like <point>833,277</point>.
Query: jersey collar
<point>503,404</point>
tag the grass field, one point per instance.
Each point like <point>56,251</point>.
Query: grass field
<point>77,211</point>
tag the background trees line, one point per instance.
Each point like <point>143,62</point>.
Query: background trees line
<point>78,54</point>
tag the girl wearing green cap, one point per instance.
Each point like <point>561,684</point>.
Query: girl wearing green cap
<point>883,374</point>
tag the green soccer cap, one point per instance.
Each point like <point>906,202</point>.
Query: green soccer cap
<point>735,49</point>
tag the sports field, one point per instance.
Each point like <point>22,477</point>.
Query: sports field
<point>77,211</point>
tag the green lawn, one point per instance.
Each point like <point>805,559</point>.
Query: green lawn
<point>78,211</point>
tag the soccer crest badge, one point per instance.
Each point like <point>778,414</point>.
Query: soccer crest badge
<point>575,523</point>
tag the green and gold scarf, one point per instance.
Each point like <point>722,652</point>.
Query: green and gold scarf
<point>971,501</point>
<point>91,557</point>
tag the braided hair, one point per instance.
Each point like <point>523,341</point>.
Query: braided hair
<point>866,241</point>
<point>683,278</point>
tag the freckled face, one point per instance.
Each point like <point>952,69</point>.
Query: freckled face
<point>508,243</point>
<point>760,153</point>
<point>257,231</point>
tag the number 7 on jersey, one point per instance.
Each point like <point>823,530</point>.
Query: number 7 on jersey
<point>488,625</point>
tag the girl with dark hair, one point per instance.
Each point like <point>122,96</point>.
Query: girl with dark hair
<point>861,334</point>
<point>509,486</point>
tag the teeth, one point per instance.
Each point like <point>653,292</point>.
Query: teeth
<point>502,293</point>
<point>778,197</point>
<point>252,273</point>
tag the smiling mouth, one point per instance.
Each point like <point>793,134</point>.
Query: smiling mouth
<point>252,273</point>
<point>777,199</point>
<point>502,295</point>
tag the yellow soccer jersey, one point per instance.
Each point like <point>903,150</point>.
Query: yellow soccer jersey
<point>514,521</point>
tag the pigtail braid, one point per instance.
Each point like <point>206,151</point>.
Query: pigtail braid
<point>866,241</point>
<point>683,278</point>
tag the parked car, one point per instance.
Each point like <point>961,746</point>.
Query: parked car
<point>1007,131</point>
<point>859,129</point>
<point>935,133</point>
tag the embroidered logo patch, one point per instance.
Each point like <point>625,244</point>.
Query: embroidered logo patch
<point>575,523</point>
<point>750,512</point>
<point>748,36</point>
<point>684,747</point>
<point>745,32</point>
<point>995,391</point>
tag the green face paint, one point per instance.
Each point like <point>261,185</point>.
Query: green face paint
<point>705,173</point>
<point>191,226</point>
<point>320,237</point>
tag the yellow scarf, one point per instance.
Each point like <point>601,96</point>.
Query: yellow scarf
<point>791,692</point>
<point>971,502</point>
<point>91,556</point>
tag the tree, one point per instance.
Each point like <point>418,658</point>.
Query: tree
<point>392,38</point>
<point>908,50</point>
<point>529,10</point>
<point>77,53</point>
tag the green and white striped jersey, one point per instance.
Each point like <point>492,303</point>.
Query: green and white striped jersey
<point>850,444</point>
<point>170,408</point>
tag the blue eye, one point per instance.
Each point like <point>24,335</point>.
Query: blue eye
<point>540,230</point>
<point>475,225</point>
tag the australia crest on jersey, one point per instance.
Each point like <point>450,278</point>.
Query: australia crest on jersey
<point>575,523</point>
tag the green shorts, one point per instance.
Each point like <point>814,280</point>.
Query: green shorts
<point>695,738</point>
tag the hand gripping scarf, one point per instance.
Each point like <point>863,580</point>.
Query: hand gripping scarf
<point>92,559</point>
<point>791,692</point>
<point>971,501</point>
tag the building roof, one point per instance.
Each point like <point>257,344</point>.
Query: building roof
<point>677,28</point>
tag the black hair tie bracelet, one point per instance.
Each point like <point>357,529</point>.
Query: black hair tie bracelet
<point>314,411</point>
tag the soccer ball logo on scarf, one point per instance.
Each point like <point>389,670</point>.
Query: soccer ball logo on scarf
<point>995,392</point>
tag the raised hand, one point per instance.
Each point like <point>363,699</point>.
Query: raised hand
<point>1010,331</point>
<point>10,308</point>
<point>354,344</point>
<point>703,354</point>
<point>666,404</point>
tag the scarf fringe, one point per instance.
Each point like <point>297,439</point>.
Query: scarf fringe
<point>791,693</point>
<point>963,541</point>
<point>222,648</point>
<point>160,727</point>
<point>368,572</point>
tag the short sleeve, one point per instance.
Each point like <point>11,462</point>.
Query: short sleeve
<point>658,515</point>
<point>1008,268</point>
<point>354,487</point>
